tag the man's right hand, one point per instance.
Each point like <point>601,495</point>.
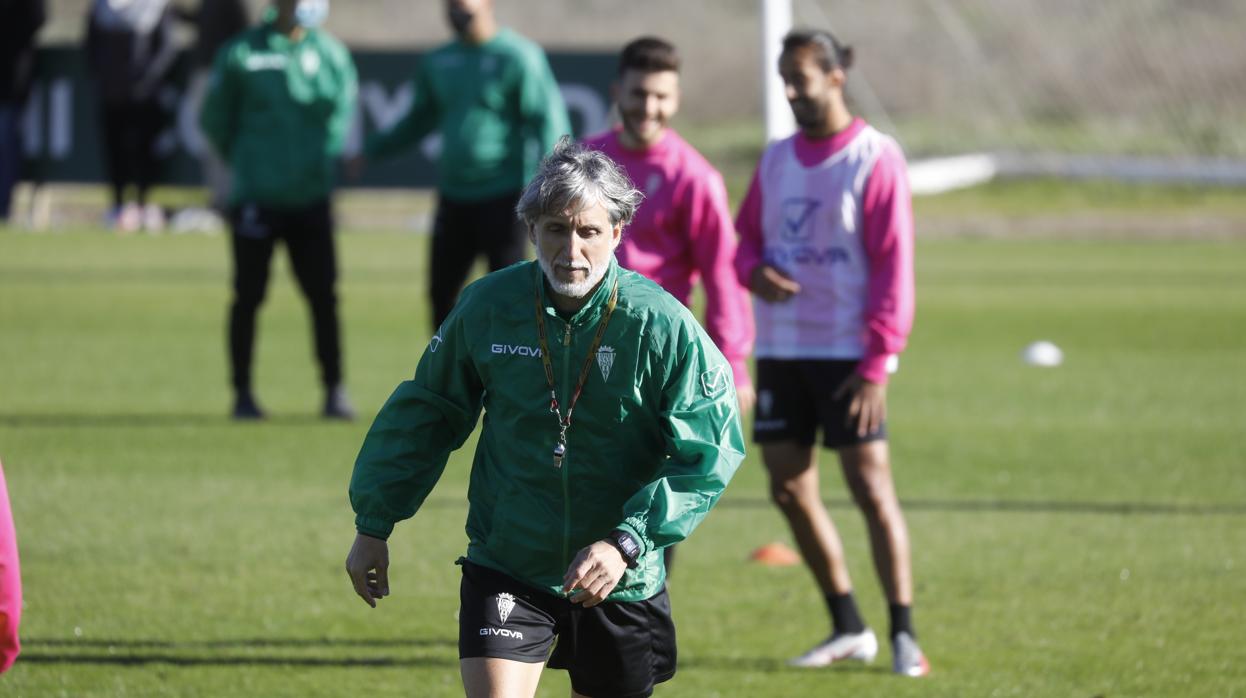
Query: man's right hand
<point>772,285</point>
<point>368,567</point>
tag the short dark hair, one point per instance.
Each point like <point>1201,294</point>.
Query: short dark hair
<point>649,54</point>
<point>831,53</point>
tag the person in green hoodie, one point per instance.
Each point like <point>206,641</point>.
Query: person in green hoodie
<point>491,96</point>
<point>611,428</point>
<point>279,103</point>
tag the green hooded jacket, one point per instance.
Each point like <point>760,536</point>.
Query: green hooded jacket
<point>277,111</point>
<point>653,441</point>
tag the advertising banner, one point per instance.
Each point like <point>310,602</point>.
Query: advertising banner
<point>61,124</point>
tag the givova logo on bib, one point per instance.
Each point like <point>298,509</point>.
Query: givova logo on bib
<point>798,218</point>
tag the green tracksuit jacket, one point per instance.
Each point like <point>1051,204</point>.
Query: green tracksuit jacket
<point>277,111</point>
<point>497,108</point>
<point>653,441</point>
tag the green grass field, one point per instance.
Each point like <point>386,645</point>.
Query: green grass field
<point>1077,531</point>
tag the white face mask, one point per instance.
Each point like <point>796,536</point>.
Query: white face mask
<point>311,13</point>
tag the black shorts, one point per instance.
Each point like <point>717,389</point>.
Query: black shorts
<point>795,397</point>
<point>612,649</point>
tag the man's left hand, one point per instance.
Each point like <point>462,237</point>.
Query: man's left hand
<point>868,408</point>
<point>594,573</point>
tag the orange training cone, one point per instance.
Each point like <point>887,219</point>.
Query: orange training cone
<point>775,555</point>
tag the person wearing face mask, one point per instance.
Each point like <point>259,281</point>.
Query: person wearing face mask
<point>279,103</point>
<point>612,429</point>
<point>491,96</point>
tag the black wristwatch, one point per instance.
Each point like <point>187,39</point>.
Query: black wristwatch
<point>627,545</point>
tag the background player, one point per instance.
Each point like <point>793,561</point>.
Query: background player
<point>281,98</point>
<point>492,97</point>
<point>827,247</point>
<point>683,230</point>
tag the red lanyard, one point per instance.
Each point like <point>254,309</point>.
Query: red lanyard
<point>560,448</point>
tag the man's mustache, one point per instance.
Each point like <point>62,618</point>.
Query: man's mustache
<point>571,265</point>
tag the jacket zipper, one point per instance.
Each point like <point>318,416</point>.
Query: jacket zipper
<point>566,484</point>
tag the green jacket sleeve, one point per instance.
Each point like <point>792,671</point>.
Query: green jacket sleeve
<point>704,445</point>
<point>542,108</point>
<point>418,122</point>
<point>425,419</point>
<point>220,105</point>
<point>344,109</point>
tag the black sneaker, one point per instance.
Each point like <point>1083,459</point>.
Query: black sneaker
<point>337,405</point>
<point>245,408</point>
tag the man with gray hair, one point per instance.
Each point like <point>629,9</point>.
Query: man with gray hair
<point>611,430</point>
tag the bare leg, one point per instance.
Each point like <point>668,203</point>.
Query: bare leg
<point>488,677</point>
<point>867,470</point>
<point>794,488</point>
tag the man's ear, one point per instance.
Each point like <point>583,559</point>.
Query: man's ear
<point>614,92</point>
<point>838,77</point>
<point>532,233</point>
<point>617,234</point>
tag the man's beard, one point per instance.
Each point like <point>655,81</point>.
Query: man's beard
<point>573,289</point>
<point>809,114</point>
<point>460,20</point>
<point>634,125</point>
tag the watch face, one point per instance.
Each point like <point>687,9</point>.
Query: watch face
<point>628,544</point>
